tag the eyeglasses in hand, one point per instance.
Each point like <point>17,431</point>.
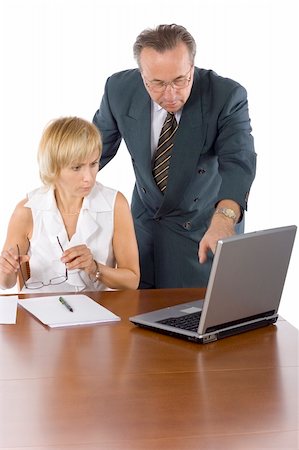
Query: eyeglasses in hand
<point>39,284</point>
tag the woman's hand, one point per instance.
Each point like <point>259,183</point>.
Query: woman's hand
<point>10,261</point>
<point>79,257</point>
<point>9,266</point>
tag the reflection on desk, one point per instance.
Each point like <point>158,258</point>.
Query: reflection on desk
<point>116,386</point>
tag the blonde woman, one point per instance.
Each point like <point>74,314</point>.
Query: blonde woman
<point>74,233</point>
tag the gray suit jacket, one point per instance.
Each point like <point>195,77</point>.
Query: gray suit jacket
<point>213,159</point>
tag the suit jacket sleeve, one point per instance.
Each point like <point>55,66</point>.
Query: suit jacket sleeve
<point>107,125</point>
<point>235,148</point>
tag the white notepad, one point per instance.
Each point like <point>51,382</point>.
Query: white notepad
<point>50,311</point>
<point>8,309</point>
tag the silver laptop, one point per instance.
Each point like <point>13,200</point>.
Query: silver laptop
<point>243,292</point>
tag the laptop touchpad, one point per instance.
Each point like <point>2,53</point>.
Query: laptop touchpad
<point>191,310</point>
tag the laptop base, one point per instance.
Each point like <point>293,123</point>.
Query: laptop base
<point>209,337</point>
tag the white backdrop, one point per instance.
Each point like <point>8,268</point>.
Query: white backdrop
<point>56,55</point>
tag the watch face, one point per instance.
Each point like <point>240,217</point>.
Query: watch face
<point>230,213</point>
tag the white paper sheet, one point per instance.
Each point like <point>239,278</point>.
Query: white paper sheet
<point>8,309</point>
<point>50,311</point>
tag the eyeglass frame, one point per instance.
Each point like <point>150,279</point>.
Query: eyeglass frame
<point>164,84</point>
<point>42,284</point>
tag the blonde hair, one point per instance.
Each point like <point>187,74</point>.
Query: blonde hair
<point>64,141</point>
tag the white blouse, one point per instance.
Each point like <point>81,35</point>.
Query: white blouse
<point>94,229</point>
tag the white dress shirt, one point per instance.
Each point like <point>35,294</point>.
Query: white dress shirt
<point>94,228</point>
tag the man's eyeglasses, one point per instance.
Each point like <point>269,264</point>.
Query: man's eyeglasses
<point>160,86</point>
<point>39,284</point>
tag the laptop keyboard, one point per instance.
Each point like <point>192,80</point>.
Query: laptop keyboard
<point>187,322</point>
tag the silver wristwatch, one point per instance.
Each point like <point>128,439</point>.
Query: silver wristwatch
<point>227,212</point>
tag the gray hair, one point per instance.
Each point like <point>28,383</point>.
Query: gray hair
<point>164,37</point>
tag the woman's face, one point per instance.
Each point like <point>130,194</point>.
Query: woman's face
<point>78,179</point>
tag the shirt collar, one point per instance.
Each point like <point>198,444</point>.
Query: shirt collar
<point>156,108</point>
<point>43,199</point>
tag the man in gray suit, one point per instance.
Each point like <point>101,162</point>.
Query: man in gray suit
<point>211,164</point>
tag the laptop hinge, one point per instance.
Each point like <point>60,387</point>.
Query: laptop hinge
<point>209,338</point>
<point>242,322</point>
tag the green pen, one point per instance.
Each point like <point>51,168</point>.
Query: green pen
<point>66,304</point>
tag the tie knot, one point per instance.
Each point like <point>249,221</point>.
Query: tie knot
<point>170,118</point>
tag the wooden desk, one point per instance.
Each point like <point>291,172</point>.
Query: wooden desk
<point>116,386</point>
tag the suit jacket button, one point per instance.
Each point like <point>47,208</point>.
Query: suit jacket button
<point>187,225</point>
<point>143,190</point>
<point>201,171</point>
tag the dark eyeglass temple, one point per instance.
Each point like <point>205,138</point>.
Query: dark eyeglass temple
<point>66,272</point>
<point>59,244</point>
<point>21,271</point>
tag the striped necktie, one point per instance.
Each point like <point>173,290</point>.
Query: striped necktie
<point>163,152</point>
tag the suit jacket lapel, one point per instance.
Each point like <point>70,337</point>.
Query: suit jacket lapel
<point>189,142</point>
<point>138,127</point>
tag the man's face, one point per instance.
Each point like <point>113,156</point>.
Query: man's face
<point>167,76</point>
